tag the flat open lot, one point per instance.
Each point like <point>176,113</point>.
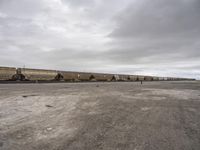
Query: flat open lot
<point>100,116</point>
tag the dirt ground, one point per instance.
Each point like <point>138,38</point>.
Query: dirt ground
<point>100,116</point>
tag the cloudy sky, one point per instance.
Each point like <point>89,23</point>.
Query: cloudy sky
<point>151,37</point>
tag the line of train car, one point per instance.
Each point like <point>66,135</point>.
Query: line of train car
<point>26,74</point>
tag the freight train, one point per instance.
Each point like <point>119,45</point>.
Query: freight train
<point>27,74</point>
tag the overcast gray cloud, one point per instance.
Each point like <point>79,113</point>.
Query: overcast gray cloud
<point>159,37</point>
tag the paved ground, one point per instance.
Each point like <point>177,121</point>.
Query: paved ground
<point>100,116</point>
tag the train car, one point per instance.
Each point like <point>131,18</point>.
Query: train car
<point>165,78</point>
<point>37,74</point>
<point>7,73</point>
<point>161,78</point>
<point>68,76</point>
<point>133,77</point>
<point>99,77</point>
<point>140,78</point>
<point>155,78</point>
<point>148,78</point>
<point>85,76</point>
<point>116,77</point>
<point>104,77</point>
<point>81,76</point>
<point>169,79</point>
<point>124,78</point>
<point>111,77</point>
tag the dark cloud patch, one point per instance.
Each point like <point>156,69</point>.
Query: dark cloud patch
<point>160,19</point>
<point>162,33</point>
